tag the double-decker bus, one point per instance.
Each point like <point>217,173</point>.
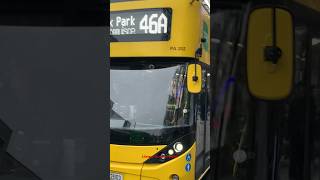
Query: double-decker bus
<point>263,129</point>
<point>159,126</point>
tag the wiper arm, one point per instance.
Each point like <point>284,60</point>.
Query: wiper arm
<point>116,123</point>
<point>152,125</point>
<point>115,115</point>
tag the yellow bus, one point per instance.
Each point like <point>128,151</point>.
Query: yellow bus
<point>159,124</point>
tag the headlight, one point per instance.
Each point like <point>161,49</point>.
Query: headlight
<point>178,147</point>
<point>173,150</point>
<point>170,152</point>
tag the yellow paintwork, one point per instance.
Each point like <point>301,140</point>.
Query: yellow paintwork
<point>133,154</point>
<point>140,171</point>
<point>186,31</point>
<point>130,171</point>
<point>194,86</point>
<point>129,159</point>
<point>266,80</point>
<point>314,4</point>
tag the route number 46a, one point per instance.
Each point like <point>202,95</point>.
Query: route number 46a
<point>154,24</point>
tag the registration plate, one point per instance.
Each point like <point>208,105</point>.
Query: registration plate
<point>116,176</point>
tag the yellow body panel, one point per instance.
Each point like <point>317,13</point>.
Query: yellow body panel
<point>314,4</point>
<point>141,171</point>
<point>266,80</point>
<point>130,171</point>
<point>186,31</point>
<point>132,154</point>
<point>128,160</point>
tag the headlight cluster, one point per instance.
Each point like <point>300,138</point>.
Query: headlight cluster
<point>173,150</point>
<point>178,147</point>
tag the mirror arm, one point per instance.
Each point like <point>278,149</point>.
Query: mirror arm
<point>273,53</point>
<point>195,77</point>
<point>198,54</point>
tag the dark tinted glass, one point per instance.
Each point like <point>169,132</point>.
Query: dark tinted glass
<point>53,84</point>
<point>254,139</point>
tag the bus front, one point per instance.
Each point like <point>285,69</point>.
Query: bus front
<point>152,118</point>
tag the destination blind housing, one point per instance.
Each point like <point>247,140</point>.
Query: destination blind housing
<point>141,25</point>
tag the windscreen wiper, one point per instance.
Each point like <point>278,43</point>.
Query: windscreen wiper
<point>115,115</point>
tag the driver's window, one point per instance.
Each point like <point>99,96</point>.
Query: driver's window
<point>178,106</point>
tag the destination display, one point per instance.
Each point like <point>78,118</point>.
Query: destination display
<point>141,25</point>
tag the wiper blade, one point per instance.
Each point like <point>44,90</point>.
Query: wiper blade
<point>149,125</point>
<point>119,123</point>
<point>115,115</point>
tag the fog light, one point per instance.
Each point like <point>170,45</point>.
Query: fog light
<point>178,147</point>
<point>175,177</point>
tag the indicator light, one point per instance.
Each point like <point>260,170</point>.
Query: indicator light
<point>163,156</point>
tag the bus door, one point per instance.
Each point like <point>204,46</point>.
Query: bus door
<point>203,125</point>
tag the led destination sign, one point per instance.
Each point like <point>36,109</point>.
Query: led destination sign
<point>140,25</point>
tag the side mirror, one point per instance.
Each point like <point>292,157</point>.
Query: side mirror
<point>270,53</point>
<point>194,79</point>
